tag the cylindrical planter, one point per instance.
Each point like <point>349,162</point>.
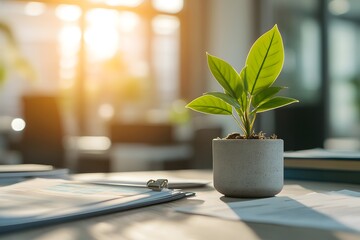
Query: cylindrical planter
<point>248,168</point>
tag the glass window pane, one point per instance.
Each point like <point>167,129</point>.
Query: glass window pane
<point>165,57</point>
<point>344,37</point>
<point>114,63</point>
<point>301,36</point>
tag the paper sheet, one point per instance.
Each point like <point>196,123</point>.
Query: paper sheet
<point>39,201</point>
<point>41,196</point>
<point>332,210</point>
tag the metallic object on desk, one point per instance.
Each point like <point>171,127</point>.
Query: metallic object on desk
<point>157,185</point>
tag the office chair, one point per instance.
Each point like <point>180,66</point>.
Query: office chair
<point>42,140</point>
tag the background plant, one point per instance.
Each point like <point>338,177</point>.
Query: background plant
<point>11,58</point>
<point>251,91</point>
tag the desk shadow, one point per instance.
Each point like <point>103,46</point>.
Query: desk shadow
<point>271,228</point>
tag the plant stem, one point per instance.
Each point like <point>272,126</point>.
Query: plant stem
<point>248,122</point>
<point>239,123</point>
<point>253,120</point>
<point>247,125</point>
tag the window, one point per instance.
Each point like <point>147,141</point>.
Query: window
<point>344,65</point>
<point>107,59</point>
<point>321,69</point>
<point>300,125</point>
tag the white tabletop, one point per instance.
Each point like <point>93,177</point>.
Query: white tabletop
<point>162,222</point>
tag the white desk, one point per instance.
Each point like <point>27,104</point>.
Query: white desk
<point>162,222</point>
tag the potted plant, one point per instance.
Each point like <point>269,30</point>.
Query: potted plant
<point>248,164</point>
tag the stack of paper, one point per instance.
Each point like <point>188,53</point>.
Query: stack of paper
<point>323,159</point>
<point>323,165</point>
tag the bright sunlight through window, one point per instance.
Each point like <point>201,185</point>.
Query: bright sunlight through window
<point>101,35</point>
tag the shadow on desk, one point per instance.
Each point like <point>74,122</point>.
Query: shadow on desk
<point>282,207</point>
<point>278,208</point>
<point>272,231</point>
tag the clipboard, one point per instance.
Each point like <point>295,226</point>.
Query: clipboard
<point>40,202</point>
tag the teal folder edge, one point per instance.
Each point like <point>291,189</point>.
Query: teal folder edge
<point>61,219</point>
<point>322,175</point>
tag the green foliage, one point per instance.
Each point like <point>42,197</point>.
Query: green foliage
<point>12,59</point>
<point>250,91</point>
<point>2,73</point>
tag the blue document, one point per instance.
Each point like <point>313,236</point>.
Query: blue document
<point>44,201</point>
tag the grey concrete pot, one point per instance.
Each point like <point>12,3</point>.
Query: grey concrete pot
<point>248,168</point>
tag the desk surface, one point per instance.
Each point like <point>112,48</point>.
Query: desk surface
<point>162,222</point>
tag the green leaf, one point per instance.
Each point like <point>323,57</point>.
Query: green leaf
<point>274,103</point>
<point>265,95</point>
<point>226,75</point>
<point>243,79</point>
<point>243,98</point>
<point>265,60</point>
<point>226,98</point>
<point>211,105</point>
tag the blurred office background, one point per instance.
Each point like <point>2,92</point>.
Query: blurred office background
<point>101,85</point>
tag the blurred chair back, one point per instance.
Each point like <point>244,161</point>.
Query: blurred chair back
<point>154,147</point>
<point>202,144</point>
<point>42,141</point>
<point>301,127</point>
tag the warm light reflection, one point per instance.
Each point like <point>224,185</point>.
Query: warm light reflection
<point>169,6</point>
<point>128,3</point>
<point>164,25</point>
<point>68,63</point>
<point>34,8</point>
<point>68,13</point>
<point>69,38</point>
<point>102,17</point>
<point>92,143</point>
<point>128,21</point>
<point>18,124</point>
<point>102,42</point>
<point>67,74</point>
<point>101,35</point>
<point>139,69</point>
<point>106,111</point>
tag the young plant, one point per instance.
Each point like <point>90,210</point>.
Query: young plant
<point>251,91</point>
